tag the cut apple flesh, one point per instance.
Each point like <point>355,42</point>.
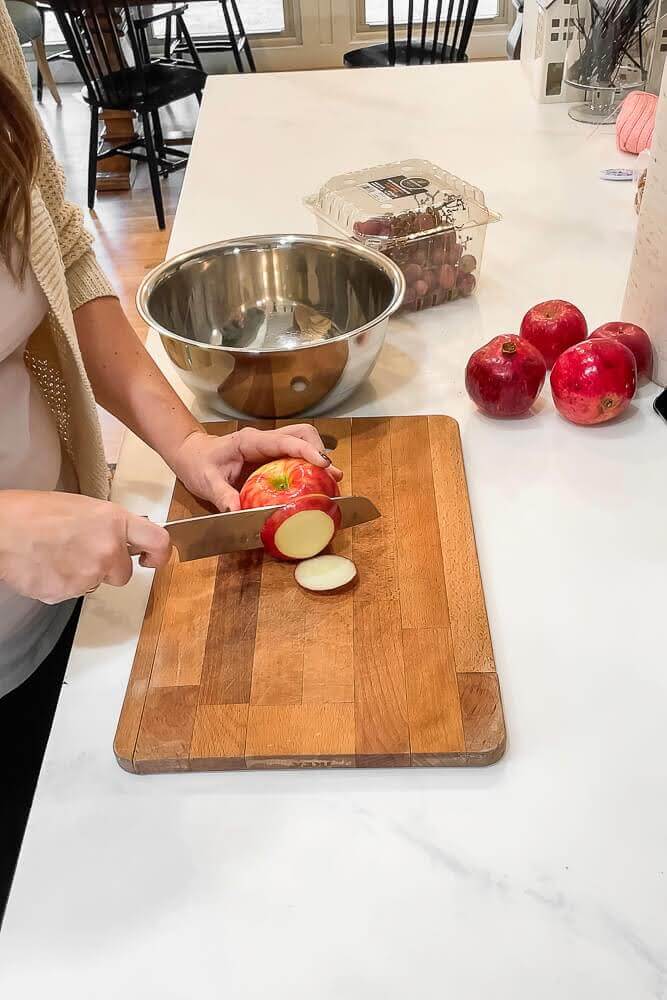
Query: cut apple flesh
<point>325,573</point>
<point>304,534</point>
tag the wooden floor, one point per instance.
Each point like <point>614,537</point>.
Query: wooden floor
<point>127,240</point>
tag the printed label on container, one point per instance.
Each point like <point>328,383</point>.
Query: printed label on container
<point>395,187</point>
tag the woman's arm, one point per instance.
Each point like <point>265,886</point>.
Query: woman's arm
<point>54,546</point>
<point>127,382</point>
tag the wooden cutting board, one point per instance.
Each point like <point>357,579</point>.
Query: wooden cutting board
<point>237,667</point>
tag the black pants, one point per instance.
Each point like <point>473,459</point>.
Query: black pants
<point>26,715</point>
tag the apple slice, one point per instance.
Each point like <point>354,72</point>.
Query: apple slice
<point>325,573</point>
<point>301,529</point>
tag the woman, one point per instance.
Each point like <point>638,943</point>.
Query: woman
<point>64,343</point>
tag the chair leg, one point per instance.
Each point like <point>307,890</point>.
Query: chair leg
<point>231,31</point>
<point>249,56</point>
<point>45,70</point>
<point>157,132</point>
<point>40,78</point>
<point>167,39</point>
<point>246,45</point>
<point>92,155</point>
<point>185,35</point>
<point>153,169</point>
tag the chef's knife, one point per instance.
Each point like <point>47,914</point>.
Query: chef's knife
<point>213,534</point>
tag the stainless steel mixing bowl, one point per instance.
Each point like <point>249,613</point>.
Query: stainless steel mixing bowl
<point>273,326</point>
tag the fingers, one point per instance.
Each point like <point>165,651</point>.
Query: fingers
<point>150,539</point>
<point>291,446</point>
<point>293,441</point>
<point>120,571</point>
<point>225,497</point>
<point>307,433</point>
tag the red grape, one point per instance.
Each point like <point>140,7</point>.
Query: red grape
<point>465,284</point>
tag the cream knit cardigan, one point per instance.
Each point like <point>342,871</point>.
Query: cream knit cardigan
<point>65,267</point>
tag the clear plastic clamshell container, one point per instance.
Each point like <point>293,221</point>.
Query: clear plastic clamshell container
<point>431,223</point>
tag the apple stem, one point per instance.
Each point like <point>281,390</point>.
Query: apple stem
<point>508,347</point>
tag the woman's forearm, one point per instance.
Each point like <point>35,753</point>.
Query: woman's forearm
<point>127,382</point>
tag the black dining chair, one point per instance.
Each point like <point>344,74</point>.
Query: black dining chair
<point>175,36</point>
<point>111,53</point>
<point>235,40</point>
<point>437,33</point>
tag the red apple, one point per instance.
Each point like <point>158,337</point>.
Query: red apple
<point>301,529</point>
<point>505,376</point>
<point>285,480</point>
<point>635,339</point>
<point>552,327</point>
<point>594,381</point>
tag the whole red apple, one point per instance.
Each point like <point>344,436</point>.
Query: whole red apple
<point>505,376</point>
<point>594,381</point>
<point>301,529</point>
<point>285,480</point>
<point>552,327</point>
<point>635,339</point>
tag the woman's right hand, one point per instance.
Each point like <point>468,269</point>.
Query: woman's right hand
<point>54,546</point>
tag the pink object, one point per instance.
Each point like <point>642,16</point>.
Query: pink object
<point>635,122</point>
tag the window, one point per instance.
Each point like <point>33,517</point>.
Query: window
<point>264,17</point>
<point>376,11</point>
<point>52,33</point>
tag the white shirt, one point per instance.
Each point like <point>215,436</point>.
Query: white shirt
<point>30,459</point>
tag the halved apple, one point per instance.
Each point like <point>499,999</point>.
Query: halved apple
<point>301,529</point>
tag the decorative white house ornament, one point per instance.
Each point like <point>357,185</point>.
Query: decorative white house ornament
<point>646,292</point>
<point>548,29</point>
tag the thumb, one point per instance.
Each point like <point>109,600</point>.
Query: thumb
<point>149,539</point>
<point>224,496</point>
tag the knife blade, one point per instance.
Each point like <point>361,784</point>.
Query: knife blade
<point>213,534</point>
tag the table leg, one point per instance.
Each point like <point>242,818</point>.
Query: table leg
<point>117,172</point>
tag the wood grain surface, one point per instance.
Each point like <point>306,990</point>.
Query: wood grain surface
<point>237,667</point>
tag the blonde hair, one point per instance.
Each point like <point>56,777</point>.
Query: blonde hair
<point>20,149</point>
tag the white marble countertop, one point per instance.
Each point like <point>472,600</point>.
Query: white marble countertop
<point>543,876</point>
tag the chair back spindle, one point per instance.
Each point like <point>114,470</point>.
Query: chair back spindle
<point>97,33</point>
<point>428,32</point>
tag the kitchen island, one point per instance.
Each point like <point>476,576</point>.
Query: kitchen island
<point>542,876</point>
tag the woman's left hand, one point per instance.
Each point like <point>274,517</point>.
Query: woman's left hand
<point>210,466</point>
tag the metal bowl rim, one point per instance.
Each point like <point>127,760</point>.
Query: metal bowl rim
<point>384,263</point>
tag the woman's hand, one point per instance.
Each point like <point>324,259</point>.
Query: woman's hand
<point>54,546</point>
<point>209,466</point>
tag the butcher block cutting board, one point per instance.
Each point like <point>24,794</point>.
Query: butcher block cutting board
<point>237,667</point>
